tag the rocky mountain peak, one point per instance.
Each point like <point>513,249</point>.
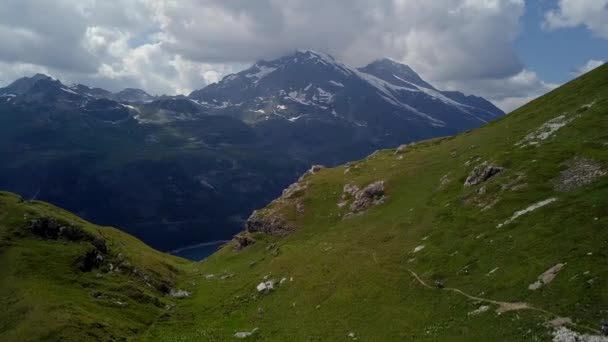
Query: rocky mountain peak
<point>395,73</point>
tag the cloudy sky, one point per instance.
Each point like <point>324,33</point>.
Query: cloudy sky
<point>509,51</point>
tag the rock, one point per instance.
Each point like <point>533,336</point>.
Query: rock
<point>482,173</point>
<point>266,286</point>
<point>294,190</point>
<point>316,168</point>
<point>480,310</point>
<point>300,207</point>
<point>419,248</point>
<point>547,277</point>
<point>243,240</point>
<point>401,149</point>
<point>444,181</point>
<point>245,334</point>
<point>369,196</point>
<point>269,223</point>
<point>581,171</point>
<point>563,334</point>
<point>179,293</point>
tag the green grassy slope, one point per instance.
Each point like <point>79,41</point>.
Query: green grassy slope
<point>354,275</point>
<point>368,277</point>
<point>69,288</point>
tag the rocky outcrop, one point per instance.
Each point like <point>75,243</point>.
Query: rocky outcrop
<point>482,173</point>
<point>370,196</point>
<point>401,149</point>
<point>243,240</point>
<point>52,229</point>
<point>359,200</point>
<point>580,172</point>
<point>268,222</point>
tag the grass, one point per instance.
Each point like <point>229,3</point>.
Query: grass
<point>352,276</point>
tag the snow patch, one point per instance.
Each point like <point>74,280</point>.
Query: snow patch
<point>263,71</point>
<point>294,119</point>
<point>529,209</point>
<point>337,84</point>
<point>69,91</point>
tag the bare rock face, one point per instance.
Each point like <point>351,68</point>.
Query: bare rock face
<point>268,223</point>
<point>401,149</point>
<point>362,199</point>
<point>243,240</point>
<point>370,196</point>
<point>482,173</point>
<point>270,220</point>
<point>581,171</point>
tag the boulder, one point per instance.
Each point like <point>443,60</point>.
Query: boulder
<point>482,173</point>
<point>243,240</point>
<point>369,196</point>
<point>269,223</point>
<point>265,286</point>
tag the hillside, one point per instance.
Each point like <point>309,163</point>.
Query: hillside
<point>359,274</point>
<point>62,278</point>
<point>497,234</point>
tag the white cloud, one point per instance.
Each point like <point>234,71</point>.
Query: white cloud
<point>590,65</point>
<point>507,93</point>
<point>176,46</point>
<point>592,14</point>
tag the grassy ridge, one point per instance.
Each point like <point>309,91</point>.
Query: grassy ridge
<point>46,296</point>
<point>352,275</point>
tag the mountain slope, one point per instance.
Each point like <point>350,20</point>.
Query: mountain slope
<point>540,210</point>
<point>497,234</point>
<point>62,278</point>
<point>387,98</point>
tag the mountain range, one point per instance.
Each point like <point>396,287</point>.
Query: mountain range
<point>494,234</point>
<point>181,170</point>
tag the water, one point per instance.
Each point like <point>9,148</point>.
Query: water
<point>198,252</point>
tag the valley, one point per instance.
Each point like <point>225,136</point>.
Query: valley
<point>494,234</point>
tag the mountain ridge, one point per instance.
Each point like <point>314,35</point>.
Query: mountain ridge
<point>494,234</point>
<point>184,170</point>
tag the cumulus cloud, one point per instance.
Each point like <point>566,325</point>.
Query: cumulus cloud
<point>176,46</point>
<point>592,14</point>
<point>508,93</point>
<point>590,65</point>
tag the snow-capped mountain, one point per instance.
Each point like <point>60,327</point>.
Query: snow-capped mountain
<point>385,97</point>
<point>179,169</point>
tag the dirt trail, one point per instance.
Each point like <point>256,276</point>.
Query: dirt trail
<point>505,306</point>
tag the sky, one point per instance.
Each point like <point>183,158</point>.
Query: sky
<point>508,51</point>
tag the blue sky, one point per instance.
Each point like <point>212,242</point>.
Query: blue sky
<point>555,55</point>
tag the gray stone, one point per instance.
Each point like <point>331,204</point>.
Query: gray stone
<point>482,173</point>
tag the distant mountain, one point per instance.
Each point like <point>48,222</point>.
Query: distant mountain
<point>497,234</point>
<point>385,97</point>
<point>180,170</point>
<point>133,95</point>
